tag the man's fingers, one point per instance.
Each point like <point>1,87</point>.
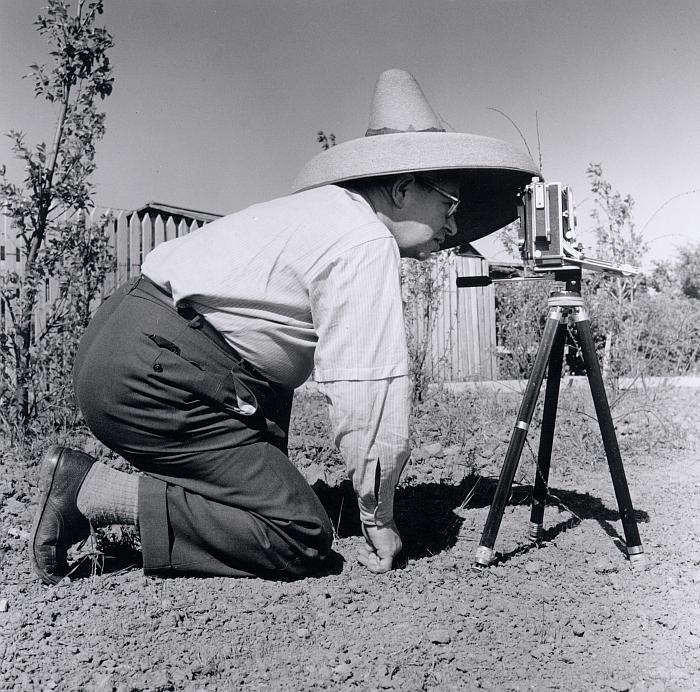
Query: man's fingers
<point>382,544</point>
<point>373,562</point>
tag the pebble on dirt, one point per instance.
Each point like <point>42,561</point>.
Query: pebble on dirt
<point>434,449</point>
<point>440,636</point>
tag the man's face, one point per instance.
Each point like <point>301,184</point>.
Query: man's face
<point>423,222</point>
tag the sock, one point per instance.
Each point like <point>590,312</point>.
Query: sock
<point>108,496</point>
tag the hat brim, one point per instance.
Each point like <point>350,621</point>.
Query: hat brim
<point>491,172</point>
<point>489,201</point>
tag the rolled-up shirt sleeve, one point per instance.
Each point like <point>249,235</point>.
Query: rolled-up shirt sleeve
<point>370,424</point>
<point>361,364</point>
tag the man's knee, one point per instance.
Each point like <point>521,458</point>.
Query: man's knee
<point>326,542</point>
<point>318,535</point>
<point>314,542</point>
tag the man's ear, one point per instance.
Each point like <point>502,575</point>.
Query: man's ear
<point>400,188</point>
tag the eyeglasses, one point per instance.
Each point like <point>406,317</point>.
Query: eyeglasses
<point>455,200</point>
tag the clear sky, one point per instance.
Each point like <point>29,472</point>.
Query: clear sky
<point>217,102</point>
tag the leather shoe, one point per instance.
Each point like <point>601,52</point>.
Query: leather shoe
<point>58,523</point>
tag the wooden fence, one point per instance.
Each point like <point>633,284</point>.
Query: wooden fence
<point>134,238</point>
<point>131,238</point>
<point>461,345</point>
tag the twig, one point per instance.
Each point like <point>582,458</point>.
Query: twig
<point>340,513</point>
<point>539,142</point>
<point>512,122</point>
<point>560,503</point>
<point>666,203</point>
<point>470,494</point>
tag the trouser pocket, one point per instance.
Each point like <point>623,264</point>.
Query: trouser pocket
<point>178,360</point>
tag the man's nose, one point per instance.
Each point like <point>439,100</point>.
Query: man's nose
<point>450,226</point>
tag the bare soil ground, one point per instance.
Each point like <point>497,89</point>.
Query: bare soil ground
<point>568,614</point>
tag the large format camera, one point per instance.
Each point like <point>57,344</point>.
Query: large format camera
<point>547,233</point>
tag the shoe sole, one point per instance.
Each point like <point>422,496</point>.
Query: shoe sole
<point>47,473</point>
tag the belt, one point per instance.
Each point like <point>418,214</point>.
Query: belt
<point>195,320</point>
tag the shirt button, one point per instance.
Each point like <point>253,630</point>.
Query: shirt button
<point>157,367</point>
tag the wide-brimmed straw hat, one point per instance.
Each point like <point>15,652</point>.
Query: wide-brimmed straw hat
<point>405,136</point>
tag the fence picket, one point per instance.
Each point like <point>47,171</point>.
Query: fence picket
<point>121,234</point>
<point>9,241</point>
<point>452,349</point>
<point>8,263</point>
<point>110,282</point>
<point>170,229</point>
<point>182,228</point>
<point>147,236</point>
<point>134,246</point>
<point>159,228</point>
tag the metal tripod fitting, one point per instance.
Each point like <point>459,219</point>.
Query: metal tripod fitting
<point>636,556</point>
<point>483,558</point>
<point>536,530</point>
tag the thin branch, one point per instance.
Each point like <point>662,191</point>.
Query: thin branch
<point>539,142</point>
<point>666,203</point>
<point>512,122</point>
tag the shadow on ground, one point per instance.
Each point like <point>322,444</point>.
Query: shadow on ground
<point>426,513</point>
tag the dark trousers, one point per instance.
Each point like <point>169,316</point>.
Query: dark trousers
<point>220,496</point>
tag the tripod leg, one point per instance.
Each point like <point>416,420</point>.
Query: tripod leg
<point>635,551</point>
<point>484,553</point>
<point>549,417</point>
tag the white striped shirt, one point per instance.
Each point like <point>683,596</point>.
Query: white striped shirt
<point>311,281</point>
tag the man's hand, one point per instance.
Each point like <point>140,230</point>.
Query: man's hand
<point>382,545</point>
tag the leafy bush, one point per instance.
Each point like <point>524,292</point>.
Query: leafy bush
<point>658,336</point>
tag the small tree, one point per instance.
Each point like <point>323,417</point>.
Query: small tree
<point>422,286</point>
<point>51,210</point>
<point>617,238</point>
<point>613,297</point>
<point>663,277</point>
<point>326,141</point>
<point>680,276</point>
